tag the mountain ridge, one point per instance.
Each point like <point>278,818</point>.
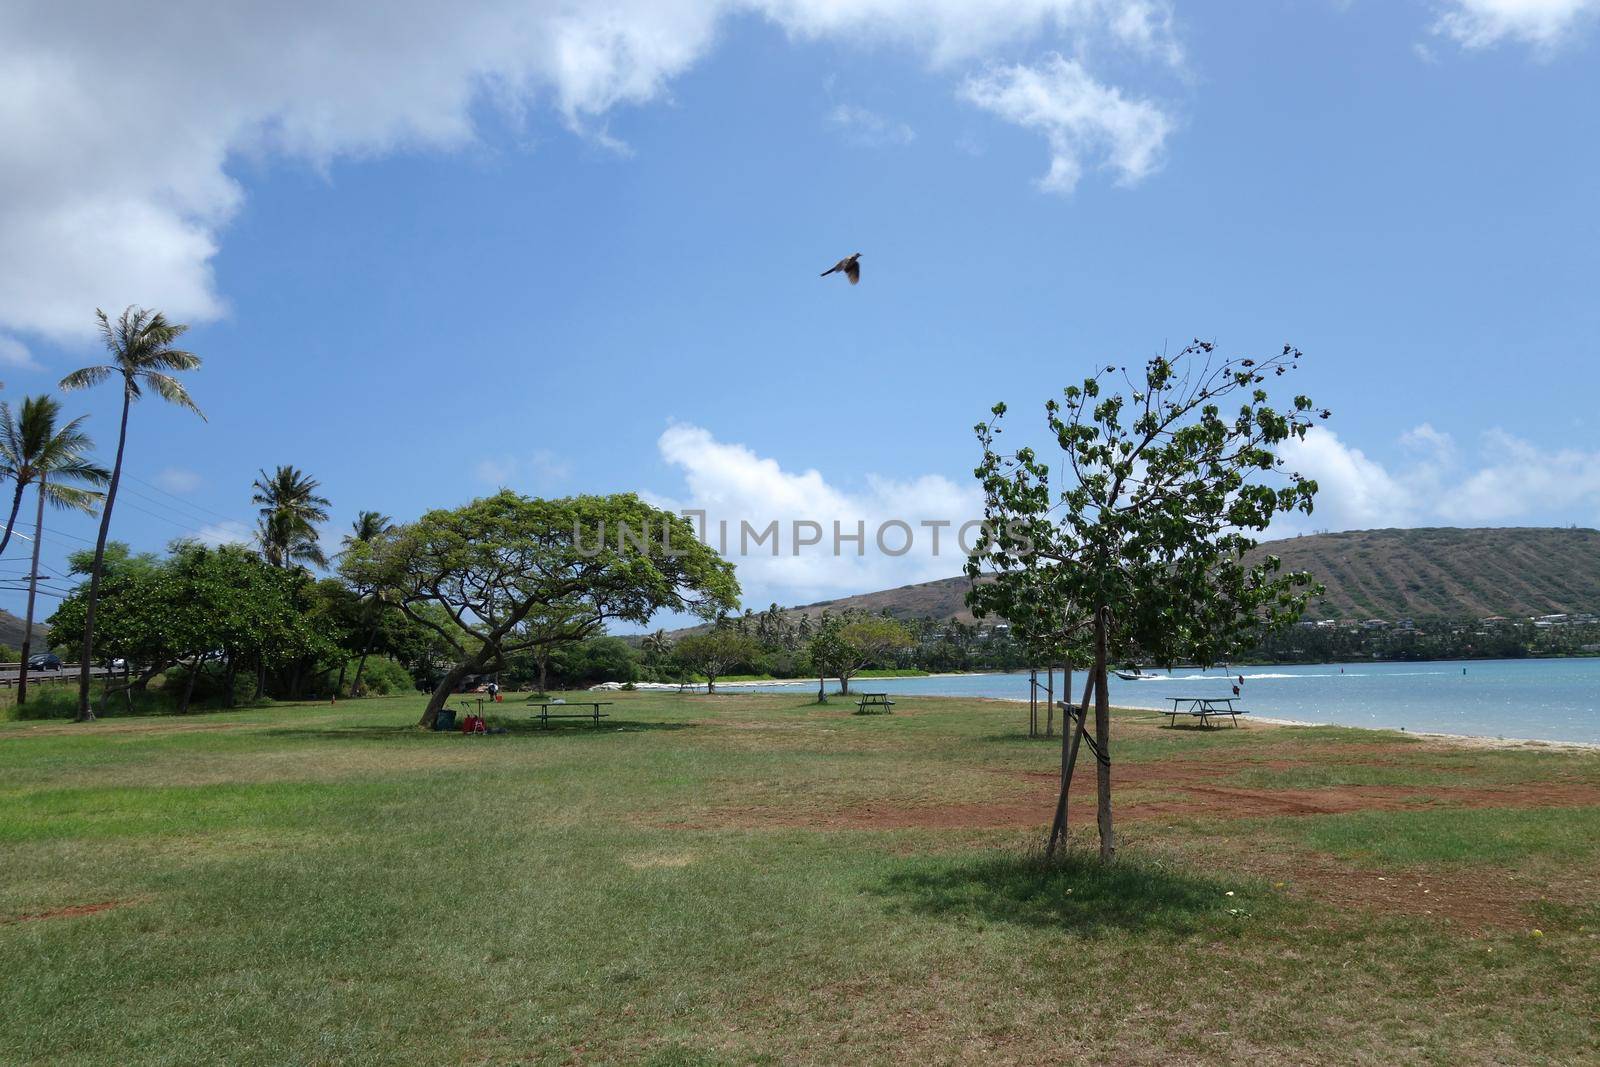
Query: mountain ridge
<point>1463,572</point>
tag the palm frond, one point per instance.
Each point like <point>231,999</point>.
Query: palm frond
<point>71,497</point>
<point>169,389</point>
<point>86,377</point>
<point>79,469</point>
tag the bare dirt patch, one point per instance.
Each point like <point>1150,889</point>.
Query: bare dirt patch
<point>1167,789</point>
<point>1474,899</point>
<point>70,912</point>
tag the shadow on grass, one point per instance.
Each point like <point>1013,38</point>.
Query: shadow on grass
<point>512,728</point>
<point>1075,893</point>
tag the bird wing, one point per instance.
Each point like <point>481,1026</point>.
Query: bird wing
<point>853,272</point>
<point>833,268</point>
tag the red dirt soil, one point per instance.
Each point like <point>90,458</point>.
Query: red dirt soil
<point>1168,789</point>
<point>70,912</point>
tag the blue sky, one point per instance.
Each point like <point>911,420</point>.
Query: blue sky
<point>575,247</point>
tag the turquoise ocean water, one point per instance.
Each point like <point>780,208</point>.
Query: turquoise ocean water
<point>1543,699</point>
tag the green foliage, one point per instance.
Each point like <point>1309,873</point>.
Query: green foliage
<point>599,659</point>
<point>1144,546</point>
<point>382,676</point>
<point>1150,531</point>
<point>515,574</point>
<point>10,655</point>
<point>34,451</point>
<point>203,605</point>
<point>714,654</point>
<point>291,508</point>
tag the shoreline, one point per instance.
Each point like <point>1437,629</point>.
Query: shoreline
<point>1464,740</point>
<point>1440,733</point>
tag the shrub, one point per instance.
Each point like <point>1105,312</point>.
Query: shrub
<point>382,677</point>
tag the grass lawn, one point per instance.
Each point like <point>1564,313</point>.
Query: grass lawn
<point>748,878</point>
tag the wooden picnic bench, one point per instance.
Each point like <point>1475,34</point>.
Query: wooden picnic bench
<point>873,704</point>
<point>1204,708</point>
<point>545,714</point>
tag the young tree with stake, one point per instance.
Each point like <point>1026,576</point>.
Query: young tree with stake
<point>1142,549</point>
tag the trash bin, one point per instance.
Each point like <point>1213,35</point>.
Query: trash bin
<point>446,720</point>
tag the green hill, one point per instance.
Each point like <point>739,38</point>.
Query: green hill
<point>1375,574</point>
<point>11,629</point>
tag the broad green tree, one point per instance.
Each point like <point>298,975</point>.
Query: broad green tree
<point>291,507</point>
<point>827,651</point>
<point>716,652</point>
<point>141,346</point>
<point>515,574</point>
<point>201,607</point>
<point>869,640</point>
<point>1142,548</point>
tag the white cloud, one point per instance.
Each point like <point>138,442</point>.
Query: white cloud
<point>949,32</point>
<point>13,353</point>
<point>1510,480</point>
<point>178,480</point>
<point>1079,116</point>
<point>870,128</point>
<point>1544,24</point>
<point>226,532</point>
<point>120,120</point>
<point>734,485</point>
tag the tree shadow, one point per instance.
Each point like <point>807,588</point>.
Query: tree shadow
<point>1020,736</point>
<point>1075,893</point>
<point>505,729</point>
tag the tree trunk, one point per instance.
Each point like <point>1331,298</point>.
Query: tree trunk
<point>87,653</point>
<point>822,689</point>
<point>844,682</point>
<point>1070,739</point>
<point>711,683</point>
<point>229,674</point>
<point>33,588</point>
<point>261,677</point>
<point>188,689</point>
<point>361,664</point>
<point>442,691</point>
<point>1102,736</point>
<point>11,523</point>
<point>544,674</point>
<point>338,686</point>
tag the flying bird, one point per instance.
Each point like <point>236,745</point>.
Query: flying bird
<point>850,266</point>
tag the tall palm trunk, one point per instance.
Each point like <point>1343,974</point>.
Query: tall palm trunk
<point>33,588</point>
<point>11,523</point>
<point>85,714</point>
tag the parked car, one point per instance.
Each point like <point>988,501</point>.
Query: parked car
<point>44,661</point>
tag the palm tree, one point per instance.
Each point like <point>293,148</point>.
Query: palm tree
<point>290,510</point>
<point>32,447</point>
<point>140,343</point>
<point>367,527</point>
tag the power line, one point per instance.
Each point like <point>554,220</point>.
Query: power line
<point>174,496</point>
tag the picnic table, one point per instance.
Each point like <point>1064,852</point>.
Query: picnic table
<point>545,714</point>
<point>876,702</point>
<point>1205,708</point>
